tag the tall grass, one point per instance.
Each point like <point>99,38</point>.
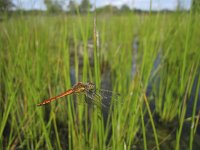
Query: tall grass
<point>40,53</point>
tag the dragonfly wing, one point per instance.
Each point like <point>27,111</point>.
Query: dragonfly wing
<point>68,92</point>
<point>94,98</point>
<point>108,96</point>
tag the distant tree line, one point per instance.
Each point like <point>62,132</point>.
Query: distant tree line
<point>196,5</point>
<point>54,6</point>
<point>84,7</point>
<point>6,5</point>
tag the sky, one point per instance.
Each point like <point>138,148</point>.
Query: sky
<point>139,4</point>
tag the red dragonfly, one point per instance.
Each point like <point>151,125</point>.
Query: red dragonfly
<point>97,97</point>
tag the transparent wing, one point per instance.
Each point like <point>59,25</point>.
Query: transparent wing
<point>108,97</point>
<point>94,98</point>
<point>87,97</point>
<point>102,97</point>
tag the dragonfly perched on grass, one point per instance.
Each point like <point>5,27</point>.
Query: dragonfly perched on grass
<point>97,97</point>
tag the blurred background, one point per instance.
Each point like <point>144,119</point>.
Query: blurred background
<point>69,5</point>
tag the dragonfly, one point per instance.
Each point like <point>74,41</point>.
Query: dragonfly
<point>97,97</point>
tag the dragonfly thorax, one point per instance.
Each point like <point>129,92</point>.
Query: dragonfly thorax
<point>81,87</point>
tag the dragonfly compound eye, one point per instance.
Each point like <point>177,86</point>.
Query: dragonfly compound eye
<point>91,86</point>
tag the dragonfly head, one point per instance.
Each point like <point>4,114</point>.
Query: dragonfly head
<point>81,87</point>
<point>90,86</point>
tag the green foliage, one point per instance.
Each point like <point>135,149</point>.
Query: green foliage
<point>85,6</point>
<point>73,6</point>
<point>107,9</point>
<point>125,8</point>
<point>196,5</point>
<point>38,54</point>
<point>53,6</point>
<point>5,5</point>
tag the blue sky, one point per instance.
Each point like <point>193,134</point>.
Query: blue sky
<point>141,4</point>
